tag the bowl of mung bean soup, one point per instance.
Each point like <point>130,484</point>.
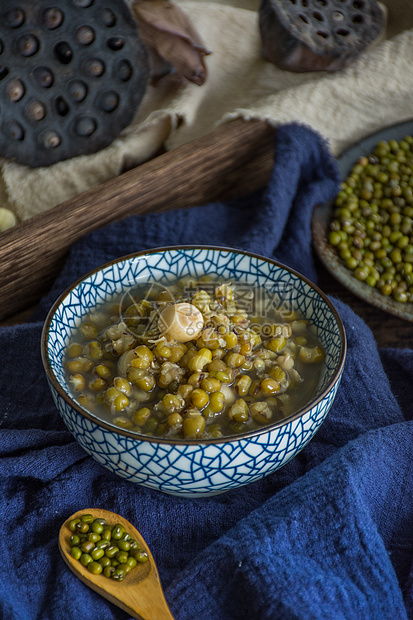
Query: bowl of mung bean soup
<point>193,370</point>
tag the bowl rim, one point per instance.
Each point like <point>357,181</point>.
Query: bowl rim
<point>189,442</point>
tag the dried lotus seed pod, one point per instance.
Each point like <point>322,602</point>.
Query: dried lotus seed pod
<point>72,75</point>
<point>318,35</point>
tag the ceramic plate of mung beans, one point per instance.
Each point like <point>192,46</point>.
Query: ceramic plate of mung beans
<point>364,237</point>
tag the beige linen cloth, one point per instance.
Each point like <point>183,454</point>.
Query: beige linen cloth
<point>375,91</point>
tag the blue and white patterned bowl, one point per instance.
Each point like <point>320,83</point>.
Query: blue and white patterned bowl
<point>192,468</point>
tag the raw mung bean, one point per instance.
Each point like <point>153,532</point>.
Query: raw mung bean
<point>117,559</point>
<point>371,227</point>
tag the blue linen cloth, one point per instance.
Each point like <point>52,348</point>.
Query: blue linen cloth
<point>329,536</point>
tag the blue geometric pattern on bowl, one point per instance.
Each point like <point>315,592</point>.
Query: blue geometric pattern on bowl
<point>193,468</point>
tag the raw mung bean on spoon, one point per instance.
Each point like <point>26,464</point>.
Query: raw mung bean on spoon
<point>136,590</point>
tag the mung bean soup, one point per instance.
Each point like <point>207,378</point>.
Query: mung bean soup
<point>194,359</point>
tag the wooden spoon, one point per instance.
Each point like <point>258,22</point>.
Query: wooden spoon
<point>140,594</point>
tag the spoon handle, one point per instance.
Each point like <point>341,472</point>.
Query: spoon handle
<point>151,606</point>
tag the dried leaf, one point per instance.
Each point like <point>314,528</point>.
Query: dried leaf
<point>171,39</point>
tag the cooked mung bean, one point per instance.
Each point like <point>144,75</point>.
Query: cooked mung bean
<point>247,364</point>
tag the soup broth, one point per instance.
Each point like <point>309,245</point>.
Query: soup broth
<point>194,359</point>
